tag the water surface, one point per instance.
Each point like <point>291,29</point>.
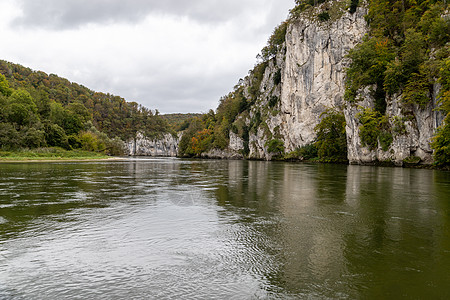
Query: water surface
<point>191,229</point>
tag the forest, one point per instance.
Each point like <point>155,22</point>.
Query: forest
<point>40,110</point>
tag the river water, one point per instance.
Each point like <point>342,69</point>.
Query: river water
<point>205,229</point>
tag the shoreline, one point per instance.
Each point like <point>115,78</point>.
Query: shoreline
<point>120,159</point>
<point>61,159</point>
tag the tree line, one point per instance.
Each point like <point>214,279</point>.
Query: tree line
<point>40,110</point>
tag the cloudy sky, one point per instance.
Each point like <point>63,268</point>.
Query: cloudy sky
<point>172,55</point>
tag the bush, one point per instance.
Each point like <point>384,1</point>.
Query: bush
<point>374,128</point>
<point>417,91</point>
<point>323,16</point>
<point>369,129</point>
<point>257,75</point>
<point>277,77</point>
<point>273,101</point>
<point>115,147</point>
<point>386,139</point>
<point>275,146</point>
<point>91,142</point>
<point>4,86</point>
<point>9,137</point>
<point>353,6</point>
<point>331,141</point>
<point>441,144</point>
<point>275,41</point>
<point>74,141</point>
<point>306,152</point>
<point>34,138</point>
<point>56,136</point>
<point>369,61</point>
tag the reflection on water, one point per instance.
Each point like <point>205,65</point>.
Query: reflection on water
<point>173,229</point>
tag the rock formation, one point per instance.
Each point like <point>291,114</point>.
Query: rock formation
<point>165,146</point>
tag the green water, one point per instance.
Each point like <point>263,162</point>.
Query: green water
<point>190,229</point>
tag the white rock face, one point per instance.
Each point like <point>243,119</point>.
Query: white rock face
<point>166,146</point>
<point>312,63</point>
<point>236,143</point>
<point>313,77</point>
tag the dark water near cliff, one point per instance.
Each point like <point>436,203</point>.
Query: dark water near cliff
<point>180,229</point>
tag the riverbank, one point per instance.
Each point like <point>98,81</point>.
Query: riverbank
<point>52,154</point>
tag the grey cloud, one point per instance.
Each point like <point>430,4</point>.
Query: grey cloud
<point>183,93</point>
<point>171,81</point>
<point>67,14</point>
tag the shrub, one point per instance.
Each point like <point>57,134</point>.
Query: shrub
<point>9,137</point>
<point>323,16</point>
<point>441,144</point>
<point>277,77</point>
<point>115,147</point>
<point>34,138</point>
<point>331,140</point>
<point>374,128</point>
<point>91,141</point>
<point>369,61</point>
<point>417,90</point>
<point>55,136</point>
<point>273,101</point>
<point>201,141</point>
<point>304,153</point>
<point>386,139</point>
<point>275,41</point>
<point>275,146</point>
<point>4,86</point>
<point>353,6</point>
<point>369,129</point>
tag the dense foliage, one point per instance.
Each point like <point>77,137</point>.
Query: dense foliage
<point>331,143</point>
<point>275,42</point>
<point>212,130</point>
<point>39,110</point>
<point>179,122</point>
<point>322,10</point>
<point>405,53</point>
<point>441,142</point>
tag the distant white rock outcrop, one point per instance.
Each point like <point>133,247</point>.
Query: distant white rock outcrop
<point>165,146</point>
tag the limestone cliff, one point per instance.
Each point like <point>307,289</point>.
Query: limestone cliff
<point>165,146</point>
<point>311,63</point>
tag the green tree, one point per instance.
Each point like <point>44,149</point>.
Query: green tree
<point>275,42</point>
<point>369,61</point>
<point>55,136</point>
<point>9,137</point>
<point>4,86</point>
<point>275,146</point>
<point>43,105</point>
<point>441,141</point>
<point>412,51</point>
<point>33,138</point>
<point>331,142</point>
<point>441,144</point>
<point>21,109</point>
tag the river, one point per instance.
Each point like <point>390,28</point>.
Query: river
<point>206,229</point>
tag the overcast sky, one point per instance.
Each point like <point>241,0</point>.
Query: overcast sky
<point>170,55</point>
